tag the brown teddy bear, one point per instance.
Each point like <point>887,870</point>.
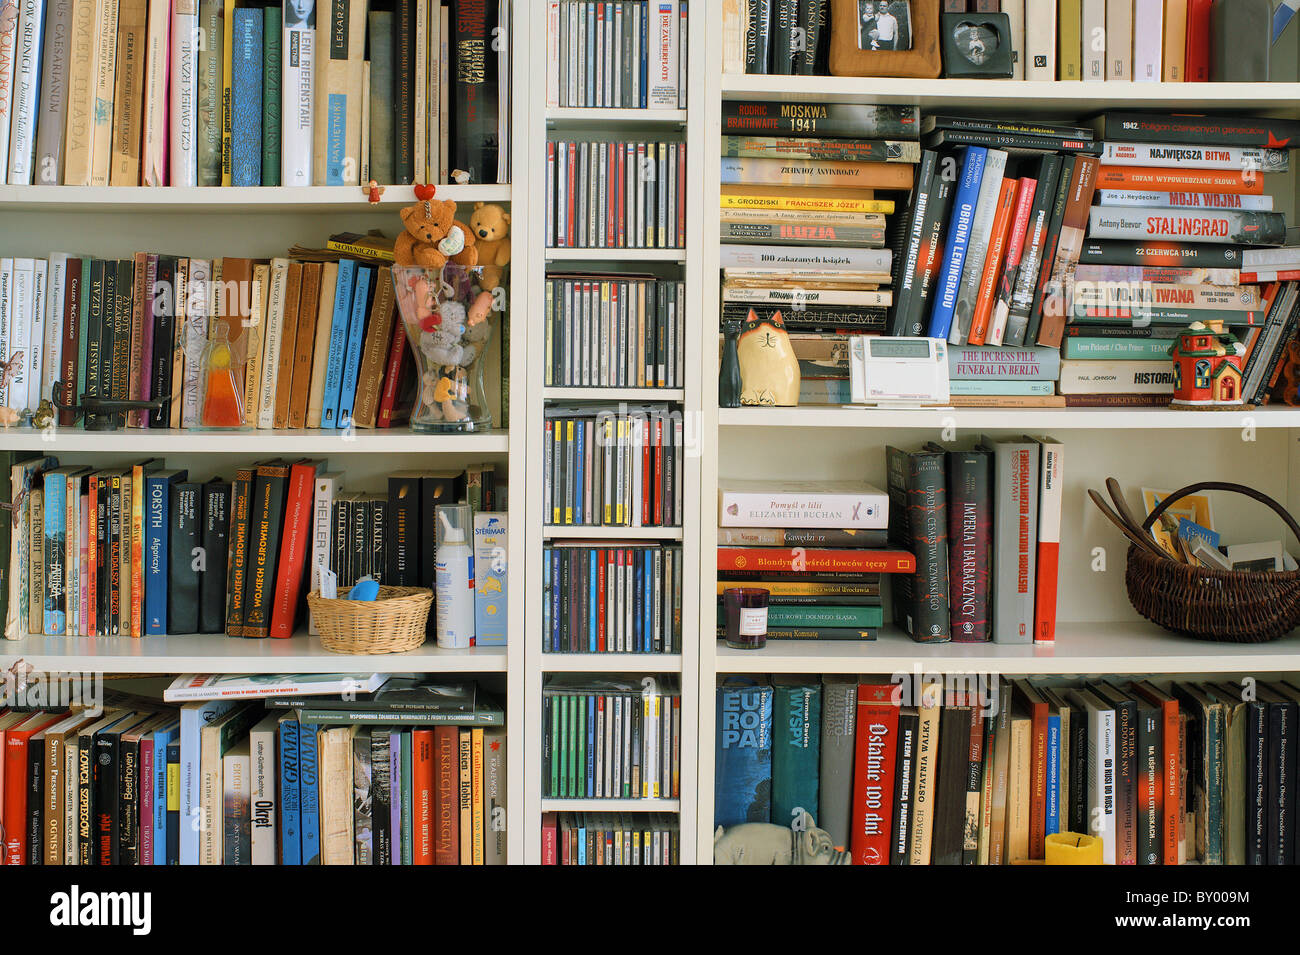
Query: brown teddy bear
<point>490,224</point>
<point>432,236</point>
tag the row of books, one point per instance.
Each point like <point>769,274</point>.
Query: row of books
<point>618,597</point>
<point>611,738</point>
<point>269,785</point>
<point>620,54</point>
<point>602,838</point>
<point>1151,41</point>
<point>112,552</point>
<point>614,331</point>
<point>613,466</point>
<point>955,772</point>
<point>302,344</point>
<point>132,92</point>
<point>615,195</point>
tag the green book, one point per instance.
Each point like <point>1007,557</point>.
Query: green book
<point>381,95</point>
<point>796,748</point>
<point>407,817</point>
<point>785,617</point>
<point>271,42</point>
<point>554,705</point>
<point>211,77</point>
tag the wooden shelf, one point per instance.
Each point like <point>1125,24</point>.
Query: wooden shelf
<point>297,441</point>
<point>1100,419</point>
<point>612,662</point>
<point>326,200</point>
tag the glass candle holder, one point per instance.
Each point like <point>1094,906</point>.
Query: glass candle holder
<point>746,609</point>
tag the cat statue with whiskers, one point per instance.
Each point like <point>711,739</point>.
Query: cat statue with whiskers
<point>769,371</point>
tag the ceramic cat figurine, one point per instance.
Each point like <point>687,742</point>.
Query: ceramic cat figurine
<point>769,372</point>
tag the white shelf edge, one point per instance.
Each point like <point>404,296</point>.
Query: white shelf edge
<point>297,441</point>
<point>611,805</point>
<point>615,255</point>
<point>558,393</point>
<point>611,662</point>
<point>323,199</point>
<point>1060,418</point>
<point>614,115</point>
<point>582,531</point>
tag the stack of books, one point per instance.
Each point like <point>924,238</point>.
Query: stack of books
<point>213,93</point>
<point>1181,199</point>
<point>602,838</point>
<point>803,232</point>
<point>297,769</point>
<point>964,772</point>
<point>818,548</point>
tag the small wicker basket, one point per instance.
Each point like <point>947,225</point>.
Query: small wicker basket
<point>1209,604</point>
<point>393,623</point>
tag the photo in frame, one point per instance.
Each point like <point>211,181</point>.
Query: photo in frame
<point>976,45</point>
<point>885,38</point>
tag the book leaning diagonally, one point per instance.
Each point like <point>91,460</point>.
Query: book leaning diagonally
<point>184,97</point>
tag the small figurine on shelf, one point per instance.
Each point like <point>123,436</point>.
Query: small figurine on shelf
<point>1207,367</point>
<point>729,382</point>
<point>223,399</point>
<point>769,371</point>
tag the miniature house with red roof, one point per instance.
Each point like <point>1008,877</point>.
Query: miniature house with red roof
<point>1207,366</point>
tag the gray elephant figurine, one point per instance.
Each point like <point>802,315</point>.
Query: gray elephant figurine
<point>762,843</point>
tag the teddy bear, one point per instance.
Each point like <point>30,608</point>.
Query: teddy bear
<point>490,224</point>
<point>443,343</point>
<point>432,235</point>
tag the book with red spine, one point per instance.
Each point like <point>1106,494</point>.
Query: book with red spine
<point>549,839</point>
<point>1169,774</point>
<point>601,572</point>
<point>1050,495</point>
<point>801,560</point>
<point>392,377</point>
<point>92,556</point>
<point>16,784</point>
<point>422,796</point>
<point>292,565</point>
<point>446,795</point>
<point>873,772</point>
<point>1033,702</point>
<point>1183,179</point>
<point>1003,217</point>
<point>1196,67</point>
<point>660,517</point>
<point>146,806</point>
<point>1025,191</point>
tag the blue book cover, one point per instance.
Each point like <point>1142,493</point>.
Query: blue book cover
<point>796,748</point>
<point>56,518</point>
<point>162,742</point>
<point>954,252</point>
<point>246,98</point>
<point>742,789</point>
<point>548,592</point>
<point>356,336</point>
<point>395,797</point>
<point>290,796</point>
<point>648,602</point>
<point>593,601</point>
<point>174,801</point>
<point>157,503</point>
<point>1053,773</point>
<point>338,343</point>
<point>336,137</point>
<point>582,839</point>
<point>309,796</point>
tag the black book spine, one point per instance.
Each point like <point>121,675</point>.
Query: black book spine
<point>128,829</point>
<point>173,815</point>
<point>359,539</point>
<point>164,334</point>
<point>100,570</point>
<point>1014,142</point>
<point>814,19</point>
<point>402,566</point>
<point>1256,786</point>
<point>183,589</point>
<point>942,189</point>
<point>264,547</point>
<point>1078,808</point>
<point>758,37</point>
<point>378,538</point>
<point>784,31</point>
<point>900,842</point>
<point>950,793</point>
<point>342,526</point>
<point>970,524</point>
<point>241,494</point>
<point>1126,786</point>
<point>1049,174</point>
<point>919,522</point>
<point>1050,241</point>
<point>404,171</point>
<point>121,353</point>
<point>1197,130</point>
<point>107,799</point>
<point>115,555</point>
<point>381,795</point>
<point>906,244</point>
<point>85,834</point>
<point>100,272</point>
<point>1281,779</point>
<point>474,142</point>
<point>36,800</point>
<point>1160,254</point>
<point>70,360</point>
<point>434,490</point>
<point>1150,774</point>
<point>216,548</point>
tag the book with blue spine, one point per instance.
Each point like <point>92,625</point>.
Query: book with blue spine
<point>157,489</point>
<point>54,601</point>
<point>246,97</point>
<point>796,747</point>
<point>290,796</point>
<point>308,794</point>
<point>1053,773</point>
<point>338,343</point>
<point>356,336</point>
<point>194,716</point>
<point>163,738</point>
<point>743,774</point>
<point>954,254</point>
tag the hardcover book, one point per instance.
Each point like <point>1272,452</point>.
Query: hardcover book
<point>743,774</point>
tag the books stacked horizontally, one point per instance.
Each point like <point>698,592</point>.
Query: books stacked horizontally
<point>629,54</point>
<point>110,552</point>
<point>611,597</point>
<point>602,838</point>
<point>966,773</point>
<point>1181,199</point>
<point>818,548</point>
<point>992,233</point>
<point>985,528</point>
<point>217,93</point>
<point>803,232</point>
<point>611,738</point>
<point>1126,41</point>
<point>322,769</point>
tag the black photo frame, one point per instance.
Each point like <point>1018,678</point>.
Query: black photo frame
<point>976,45</point>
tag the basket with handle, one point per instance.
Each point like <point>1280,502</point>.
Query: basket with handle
<point>394,622</point>
<point>1207,603</point>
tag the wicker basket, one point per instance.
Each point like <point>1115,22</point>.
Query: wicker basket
<point>393,623</point>
<point>1210,604</point>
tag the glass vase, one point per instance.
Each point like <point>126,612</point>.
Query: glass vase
<point>448,324</point>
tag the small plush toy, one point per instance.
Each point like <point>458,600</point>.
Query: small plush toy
<point>490,224</point>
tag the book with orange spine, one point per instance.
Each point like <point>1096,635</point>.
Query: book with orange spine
<point>791,560</point>
<point>1238,182</point>
<point>1002,220</point>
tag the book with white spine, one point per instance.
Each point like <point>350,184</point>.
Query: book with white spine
<point>9,42</point>
<point>995,164</point>
<point>56,288</point>
<point>298,87</point>
<point>839,504</point>
<point>263,770</point>
<point>1101,769</point>
<point>153,150</point>
<point>81,95</point>
<point>6,330</point>
<point>1015,11</point>
<point>776,256</point>
<point>20,330</point>
<point>183,100</point>
<point>802,298</point>
<point>26,87</point>
<point>1185,200</point>
<point>1164,155</point>
<point>1148,40</point>
<point>661,71</point>
<point>36,336</point>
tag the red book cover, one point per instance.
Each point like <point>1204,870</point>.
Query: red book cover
<point>392,376</point>
<point>809,560</point>
<point>570,193</point>
<point>422,796</point>
<point>548,839</point>
<point>873,772</point>
<point>16,785</point>
<point>1037,708</point>
<point>92,549</point>
<point>1255,278</point>
<point>1048,568</point>
<point>1196,68</point>
<point>293,548</point>
<point>659,471</point>
<point>446,795</point>
<point>1168,796</point>
<point>600,601</point>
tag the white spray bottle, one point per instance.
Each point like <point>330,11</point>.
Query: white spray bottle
<point>454,578</point>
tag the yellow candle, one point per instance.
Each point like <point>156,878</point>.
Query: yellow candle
<point>1070,848</point>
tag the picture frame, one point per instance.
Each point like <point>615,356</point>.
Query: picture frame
<point>915,22</point>
<point>976,46</point>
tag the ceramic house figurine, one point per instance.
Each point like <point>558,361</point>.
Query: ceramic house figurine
<point>1207,367</point>
<point>769,371</point>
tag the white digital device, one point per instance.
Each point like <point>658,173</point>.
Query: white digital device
<point>898,372</point>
